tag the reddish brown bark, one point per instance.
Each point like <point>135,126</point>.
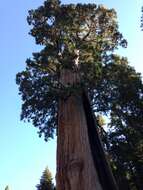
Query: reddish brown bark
<point>75,167</point>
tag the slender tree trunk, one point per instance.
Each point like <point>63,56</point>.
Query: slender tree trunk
<point>75,167</point>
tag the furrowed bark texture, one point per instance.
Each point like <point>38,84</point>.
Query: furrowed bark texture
<point>75,166</point>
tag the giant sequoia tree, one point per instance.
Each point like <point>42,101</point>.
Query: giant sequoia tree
<point>76,74</point>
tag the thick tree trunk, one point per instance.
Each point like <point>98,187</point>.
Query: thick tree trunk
<point>81,162</point>
<point>75,167</point>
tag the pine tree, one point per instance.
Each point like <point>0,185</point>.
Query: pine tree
<point>46,181</point>
<point>7,187</point>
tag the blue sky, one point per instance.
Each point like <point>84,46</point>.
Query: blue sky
<point>23,155</point>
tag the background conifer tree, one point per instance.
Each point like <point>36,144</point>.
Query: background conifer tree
<point>7,188</point>
<point>46,181</point>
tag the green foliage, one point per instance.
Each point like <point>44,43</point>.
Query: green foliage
<point>125,149</point>
<point>123,141</point>
<point>62,30</point>
<point>46,181</point>
<point>142,19</point>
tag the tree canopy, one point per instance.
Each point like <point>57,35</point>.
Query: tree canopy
<point>62,31</point>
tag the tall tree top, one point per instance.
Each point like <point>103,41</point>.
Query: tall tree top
<point>67,33</point>
<point>65,28</point>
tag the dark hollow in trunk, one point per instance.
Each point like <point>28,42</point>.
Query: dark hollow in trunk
<point>101,164</point>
